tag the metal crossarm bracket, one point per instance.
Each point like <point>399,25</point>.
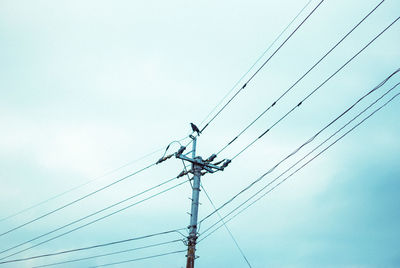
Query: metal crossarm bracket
<point>198,161</point>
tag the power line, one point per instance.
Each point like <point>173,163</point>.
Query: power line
<point>172,142</point>
<point>301,166</point>
<point>312,92</point>
<point>87,182</point>
<point>262,66</point>
<point>257,61</point>
<point>254,64</point>
<point>77,200</point>
<point>298,80</point>
<point>139,259</point>
<point>95,246</point>
<point>89,223</point>
<point>227,229</point>
<point>119,203</point>
<point>109,254</point>
<point>297,170</point>
<point>307,142</point>
<point>94,213</point>
<point>131,175</point>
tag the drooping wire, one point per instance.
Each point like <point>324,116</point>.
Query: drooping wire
<point>84,184</point>
<point>226,227</point>
<point>298,80</point>
<point>139,259</point>
<point>172,142</point>
<point>94,213</point>
<point>308,141</point>
<point>109,254</point>
<point>317,88</point>
<point>257,61</point>
<point>261,67</point>
<point>89,223</point>
<point>95,246</point>
<point>297,170</point>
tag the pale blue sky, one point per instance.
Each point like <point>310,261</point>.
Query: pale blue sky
<point>87,86</point>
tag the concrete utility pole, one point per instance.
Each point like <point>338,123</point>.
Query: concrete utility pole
<point>198,164</point>
<point>191,253</point>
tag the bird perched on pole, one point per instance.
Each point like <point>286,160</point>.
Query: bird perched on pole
<point>195,129</point>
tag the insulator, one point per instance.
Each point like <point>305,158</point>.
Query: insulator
<point>226,163</point>
<point>180,151</point>
<point>219,162</point>
<point>211,158</point>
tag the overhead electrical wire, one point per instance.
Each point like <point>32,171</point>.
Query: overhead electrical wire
<point>307,142</point>
<point>304,157</point>
<point>94,213</point>
<point>298,80</point>
<point>76,187</point>
<point>261,67</point>
<point>172,142</point>
<point>334,73</point>
<point>15,228</point>
<point>109,254</point>
<point>87,182</point>
<point>86,224</point>
<point>78,199</point>
<point>248,71</point>
<point>315,90</point>
<point>95,246</point>
<point>257,61</point>
<point>226,227</point>
<point>297,169</point>
<point>87,195</point>
<point>139,259</point>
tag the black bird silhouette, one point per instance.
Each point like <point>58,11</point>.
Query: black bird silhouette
<point>195,129</point>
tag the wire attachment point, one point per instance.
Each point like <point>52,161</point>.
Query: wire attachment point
<point>180,151</point>
<point>211,158</point>
<point>162,159</point>
<point>183,173</point>
<point>225,164</point>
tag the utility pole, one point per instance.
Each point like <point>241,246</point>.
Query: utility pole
<point>198,165</point>
<point>191,252</point>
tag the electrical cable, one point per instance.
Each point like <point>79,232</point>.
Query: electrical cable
<point>95,246</point>
<point>257,61</point>
<point>92,214</point>
<point>84,184</point>
<point>139,259</point>
<point>301,78</point>
<point>77,200</point>
<point>89,223</point>
<point>77,187</point>
<point>226,227</point>
<point>312,92</point>
<point>109,254</point>
<point>176,141</point>
<point>261,67</point>
<point>308,141</point>
<point>297,170</point>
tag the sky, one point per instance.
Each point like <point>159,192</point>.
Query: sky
<point>90,87</point>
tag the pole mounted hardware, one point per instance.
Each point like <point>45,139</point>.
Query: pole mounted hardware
<point>205,164</point>
<point>199,168</point>
<point>162,159</point>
